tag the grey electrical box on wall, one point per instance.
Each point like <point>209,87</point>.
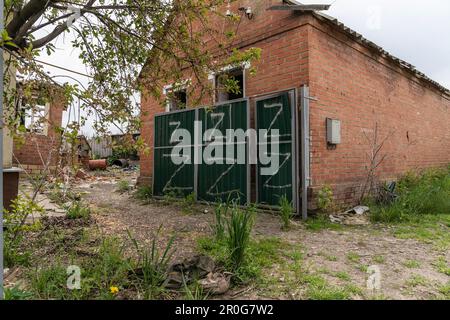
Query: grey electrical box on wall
<point>333,131</point>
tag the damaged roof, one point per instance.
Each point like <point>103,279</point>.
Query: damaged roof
<point>403,64</point>
<point>359,38</point>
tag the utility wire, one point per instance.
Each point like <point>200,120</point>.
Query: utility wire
<point>65,69</point>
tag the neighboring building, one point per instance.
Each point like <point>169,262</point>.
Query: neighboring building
<point>40,117</point>
<point>350,79</point>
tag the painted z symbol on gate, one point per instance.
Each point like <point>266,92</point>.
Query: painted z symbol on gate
<point>280,110</point>
<point>266,183</point>
<point>167,185</point>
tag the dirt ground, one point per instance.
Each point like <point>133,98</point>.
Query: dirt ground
<point>340,254</point>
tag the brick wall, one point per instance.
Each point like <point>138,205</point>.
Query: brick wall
<point>282,36</point>
<point>38,149</point>
<point>361,88</point>
<point>352,84</point>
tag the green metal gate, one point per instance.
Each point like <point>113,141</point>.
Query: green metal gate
<point>209,181</point>
<point>229,180</point>
<point>277,111</point>
<point>169,178</point>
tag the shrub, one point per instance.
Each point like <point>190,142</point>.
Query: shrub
<point>427,193</point>
<point>77,210</point>
<point>239,227</point>
<point>16,227</point>
<point>325,199</point>
<point>286,212</point>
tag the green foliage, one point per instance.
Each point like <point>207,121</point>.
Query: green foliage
<point>15,226</point>
<point>77,210</point>
<point>123,186</point>
<point>16,294</point>
<point>144,193</point>
<point>325,199</point>
<point>151,269</point>
<point>239,227</point>
<point>194,291</point>
<point>320,223</point>
<point>59,193</point>
<point>422,194</point>
<point>189,202</point>
<point>260,254</point>
<point>286,212</point>
<point>220,213</point>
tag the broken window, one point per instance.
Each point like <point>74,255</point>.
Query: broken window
<point>35,118</point>
<point>176,99</point>
<point>230,85</point>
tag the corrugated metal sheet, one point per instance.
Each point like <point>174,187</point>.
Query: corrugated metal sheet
<point>169,178</point>
<point>100,147</point>
<point>223,182</point>
<point>275,112</point>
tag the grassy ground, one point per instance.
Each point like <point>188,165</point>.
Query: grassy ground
<point>313,260</point>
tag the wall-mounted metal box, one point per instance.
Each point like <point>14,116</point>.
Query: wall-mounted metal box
<point>333,131</point>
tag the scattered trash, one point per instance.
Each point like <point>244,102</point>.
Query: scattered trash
<point>355,216</point>
<point>97,164</point>
<point>81,174</point>
<point>201,268</point>
<point>359,210</point>
<point>216,283</point>
<point>121,163</point>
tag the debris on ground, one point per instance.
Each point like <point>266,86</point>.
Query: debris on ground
<point>355,216</point>
<point>81,174</point>
<point>216,283</point>
<point>201,268</point>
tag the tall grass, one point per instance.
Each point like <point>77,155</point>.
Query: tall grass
<point>152,265</point>
<point>286,212</point>
<point>239,227</point>
<point>419,194</point>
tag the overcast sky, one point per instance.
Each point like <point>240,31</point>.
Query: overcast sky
<point>416,31</point>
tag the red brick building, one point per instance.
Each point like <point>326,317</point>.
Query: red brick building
<point>41,118</point>
<point>352,80</point>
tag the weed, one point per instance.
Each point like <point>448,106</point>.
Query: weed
<point>286,212</point>
<point>342,275</point>
<point>144,193</point>
<point>319,289</point>
<point>411,264</point>
<point>320,223</point>
<point>239,227</point>
<point>189,202</point>
<point>152,266</point>
<point>422,194</point>
<point>16,294</point>
<point>194,291</point>
<point>123,186</point>
<point>445,291</point>
<point>16,228</point>
<point>379,259</point>
<point>77,210</point>
<point>416,280</point>
<point>325,199</point>
<point>353,257</point>
<point>49,283</point>
<point>220,212</point>
<point>442,266</point>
